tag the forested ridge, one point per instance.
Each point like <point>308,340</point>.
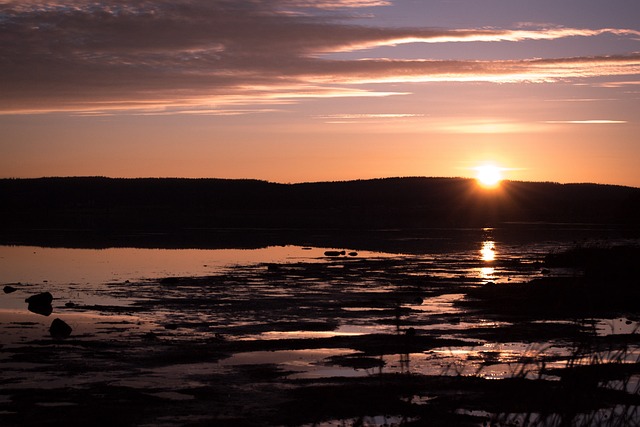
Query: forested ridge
<point>173,203</point>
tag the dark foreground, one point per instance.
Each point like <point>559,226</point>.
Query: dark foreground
<point>347,342</point>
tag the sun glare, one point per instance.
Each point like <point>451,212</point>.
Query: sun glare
<point>489,176</point>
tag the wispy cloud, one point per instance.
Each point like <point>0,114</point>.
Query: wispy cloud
<point>587,122</point>
<point>619,84</point>
<point>365,117</point>
<point>511,71</point>
<point>222,55</point>
<point>483,126</point>
<point>484,35</point>
<point>337,4</point>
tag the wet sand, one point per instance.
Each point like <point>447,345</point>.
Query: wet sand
<point>346,341</point>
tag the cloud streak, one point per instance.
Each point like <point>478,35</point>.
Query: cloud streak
<point>588,122</point>
<point>486,35</point>
<point>214,55</point>
<point>365,117</point>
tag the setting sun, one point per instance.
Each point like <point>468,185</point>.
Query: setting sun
<point>489,176</point>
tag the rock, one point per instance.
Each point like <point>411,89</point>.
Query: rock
<point>334,253</point>
<point>357,362</point>
<point>9,289</point>
<point>273,267</point>
<point>40,303</point>
<point>59,329</point>
<point>150,336</point>
<point>169,281</point>
<point>353,253</point>
<point>70,304</point>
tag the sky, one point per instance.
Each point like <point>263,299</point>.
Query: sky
<point>324,90</point>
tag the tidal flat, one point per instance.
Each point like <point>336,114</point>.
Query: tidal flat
<point>494,332</point>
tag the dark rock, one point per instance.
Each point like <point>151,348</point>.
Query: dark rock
<point>70,304</point>
<point>169,281</point>
<point>150,336</point>
<point>9,289</point>
<point>334,253</point>
<point>40,303</point>
<point>357,362</point>
<point>59,329</point>
<point>353,253</point>
<point>41,298</point>
<point>273,267</point>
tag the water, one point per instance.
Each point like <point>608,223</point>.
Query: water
<point>117,276</point>
<point>30,264</point>
<point>479,252</point>
<point>289,308</point>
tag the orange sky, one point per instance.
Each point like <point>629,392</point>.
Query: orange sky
<point>292,90</point>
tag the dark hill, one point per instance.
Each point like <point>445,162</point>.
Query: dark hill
<point>107,204</point>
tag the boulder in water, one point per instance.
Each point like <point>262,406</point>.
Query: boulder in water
<point>59,329</point>
<point>40,303</point>
<point>334,253</point>
<point>9,289</point>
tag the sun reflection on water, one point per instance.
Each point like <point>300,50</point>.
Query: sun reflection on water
<point>487,273</point>
<point>488,251</point>
<point>488,255</point>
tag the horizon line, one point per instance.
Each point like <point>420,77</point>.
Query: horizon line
<point>306,182</point>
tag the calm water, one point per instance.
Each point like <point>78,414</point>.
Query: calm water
<point>109,295</point>
<point>117,276</point>
<point>486,255</point>
<point>453,251</point>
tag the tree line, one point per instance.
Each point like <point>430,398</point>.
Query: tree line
<point>100,203</point>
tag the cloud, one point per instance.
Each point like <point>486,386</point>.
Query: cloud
<point>338,4</point>
<point>144,54</point>
<point>483,126</point>
<point>588,122</point>
<point>369,116</point>
<point>365,117</point>
<point>484,35</point>
<point>619,84</point>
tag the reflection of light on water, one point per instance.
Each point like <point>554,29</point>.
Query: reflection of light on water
<point>488,251</point>
<point>487,273</point>
<point>499,361</point>
<point>488,254</point>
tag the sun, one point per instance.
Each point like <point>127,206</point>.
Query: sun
<point>489,176</point>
